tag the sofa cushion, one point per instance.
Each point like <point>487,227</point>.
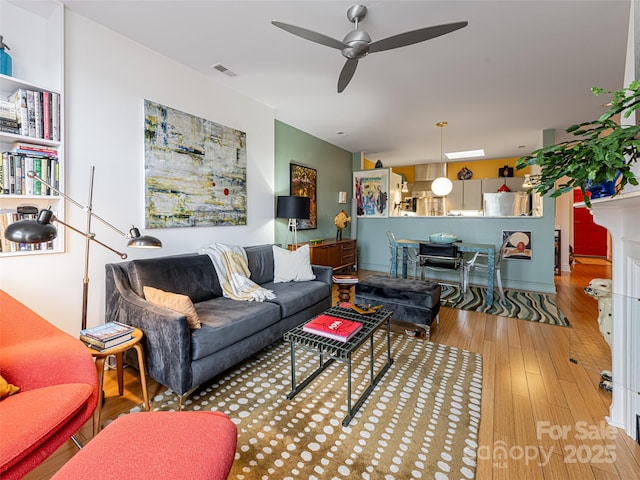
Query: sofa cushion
<point>292,266</point>
<point>191,275</point>
<point>294,297</point>
<point>32,417</point>
<point>260,261</point>
<point>225,322</point>
<point>173,301</point>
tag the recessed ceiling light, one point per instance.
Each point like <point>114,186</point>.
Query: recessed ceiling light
<point>465,154</point>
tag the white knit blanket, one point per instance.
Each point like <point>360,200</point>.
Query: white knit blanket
<point>233,272</point>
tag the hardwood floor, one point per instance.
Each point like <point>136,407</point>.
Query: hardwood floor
<point>543,416</point>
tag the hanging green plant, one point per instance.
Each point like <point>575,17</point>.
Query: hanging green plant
<point>603,151</point>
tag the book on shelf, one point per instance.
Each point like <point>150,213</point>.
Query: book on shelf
<point>107,331</point>
<point>19,99</point>
<point>37,113</point>
<point>15,181</point>
<point>46,115</point>
<point>345,278</point>
<point>37,106</point>
<point>333,327</point>
<point>8,111</point>
<point>9,123</point>
<point>100,345</point>
<point>9,129</point>
<point>31,113</point>
<point>33,149</point>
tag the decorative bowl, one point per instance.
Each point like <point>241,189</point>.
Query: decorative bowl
<point>442,237</point>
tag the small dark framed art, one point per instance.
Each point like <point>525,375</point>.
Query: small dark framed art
<point>303,184</point>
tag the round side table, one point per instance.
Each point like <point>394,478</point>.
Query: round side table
<point>344,289</point>
<point>118,350</point>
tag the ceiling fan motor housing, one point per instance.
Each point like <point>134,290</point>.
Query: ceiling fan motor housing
<point>358,41</point>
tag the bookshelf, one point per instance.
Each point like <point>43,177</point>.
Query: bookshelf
<point>35,33</point>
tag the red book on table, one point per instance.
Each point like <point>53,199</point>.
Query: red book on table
<point>333,327</point>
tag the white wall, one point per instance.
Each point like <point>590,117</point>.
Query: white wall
<point>107,78</point>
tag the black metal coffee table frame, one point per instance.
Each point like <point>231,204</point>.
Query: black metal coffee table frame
<point>341,351</point>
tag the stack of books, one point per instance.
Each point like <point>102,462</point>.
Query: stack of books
<point>333,327</point>
<point>342,278</point>
<point>106,336</point>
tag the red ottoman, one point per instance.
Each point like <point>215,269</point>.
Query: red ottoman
<point>158,445</point>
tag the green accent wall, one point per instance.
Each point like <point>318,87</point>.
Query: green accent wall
<point>334,167</point>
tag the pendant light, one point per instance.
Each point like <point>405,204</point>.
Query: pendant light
<point>441,186</point>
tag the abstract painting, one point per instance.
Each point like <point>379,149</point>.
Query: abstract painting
<point>303,184</point>
<point>195,170</point>
<point>371,189</point>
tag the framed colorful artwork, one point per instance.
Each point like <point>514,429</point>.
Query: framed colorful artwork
<point>518,245</point>
<point>303,184</point>
<point>195,170</point>
<point>371,189</point>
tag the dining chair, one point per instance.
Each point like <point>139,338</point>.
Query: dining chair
<point>444,257</point>
<point>479,261</point>
<point>412,256</point>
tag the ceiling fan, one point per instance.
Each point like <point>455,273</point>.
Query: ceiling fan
<point>357,43</point>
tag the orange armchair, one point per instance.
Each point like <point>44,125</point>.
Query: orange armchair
<point>58,388</point>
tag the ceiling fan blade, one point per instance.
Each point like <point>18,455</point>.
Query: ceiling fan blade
<point>311,35</point>
<point>414,36</point>
<point>347,73</point>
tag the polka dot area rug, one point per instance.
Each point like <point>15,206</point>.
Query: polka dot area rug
<point>420,422</point>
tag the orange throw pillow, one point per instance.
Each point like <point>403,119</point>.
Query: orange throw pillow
<point>174,301</point>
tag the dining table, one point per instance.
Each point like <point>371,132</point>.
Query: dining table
<point>483,248</point>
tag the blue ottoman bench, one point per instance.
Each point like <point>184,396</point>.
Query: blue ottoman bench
<point>414,301</point>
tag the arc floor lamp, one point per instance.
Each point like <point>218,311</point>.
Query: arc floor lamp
<point>42,230</point>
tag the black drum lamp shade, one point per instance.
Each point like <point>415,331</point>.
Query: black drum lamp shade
<point>293,207</point>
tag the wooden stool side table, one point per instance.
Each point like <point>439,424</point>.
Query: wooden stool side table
<point>118,350</point>
<point>344,288</point>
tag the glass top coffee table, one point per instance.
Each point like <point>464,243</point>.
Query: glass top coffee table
<point>329,350</point>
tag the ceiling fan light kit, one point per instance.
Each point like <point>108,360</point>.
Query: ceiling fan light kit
<point>357,43</point>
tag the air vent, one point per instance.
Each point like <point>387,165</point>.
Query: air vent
<point>221,68</point>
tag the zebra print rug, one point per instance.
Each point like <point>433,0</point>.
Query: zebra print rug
<point>531,306</point>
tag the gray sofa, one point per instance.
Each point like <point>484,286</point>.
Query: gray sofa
<point>181,358</point>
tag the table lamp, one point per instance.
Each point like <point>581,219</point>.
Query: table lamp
<point>293,208</point>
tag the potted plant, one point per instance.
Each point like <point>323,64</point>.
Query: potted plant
<point>603,151</point>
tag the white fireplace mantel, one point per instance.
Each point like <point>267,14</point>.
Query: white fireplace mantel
<point>621,216</point>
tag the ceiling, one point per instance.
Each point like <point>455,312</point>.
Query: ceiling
<point>518,68</point>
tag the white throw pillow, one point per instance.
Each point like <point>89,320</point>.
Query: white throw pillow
<point>292,266</point>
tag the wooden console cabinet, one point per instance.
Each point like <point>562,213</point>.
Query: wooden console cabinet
<point>337,254</point>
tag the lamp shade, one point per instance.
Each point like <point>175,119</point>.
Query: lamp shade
<point>441,186</point>
<point>32,231</point>
<point>293,207</point>
<point>142,241</point>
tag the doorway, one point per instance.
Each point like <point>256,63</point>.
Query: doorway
<point>589,239</point>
